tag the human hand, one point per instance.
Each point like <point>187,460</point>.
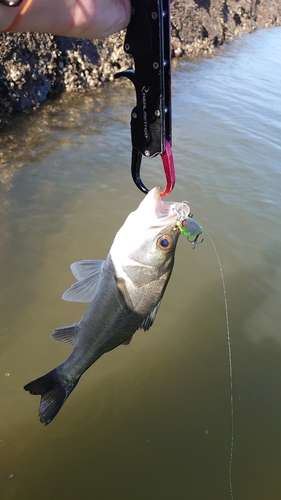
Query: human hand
<point>77,18</point>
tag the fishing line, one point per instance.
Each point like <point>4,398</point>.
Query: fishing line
<point>230,369</point>
<point>189,227</point>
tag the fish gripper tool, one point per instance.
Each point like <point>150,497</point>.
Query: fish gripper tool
<point>148,41</point>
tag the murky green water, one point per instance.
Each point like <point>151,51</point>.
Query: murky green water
<point>151,420</point>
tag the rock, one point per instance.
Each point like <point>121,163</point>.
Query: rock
<point>33,66</point>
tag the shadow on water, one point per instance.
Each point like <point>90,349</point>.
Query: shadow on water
<point>62,122</point>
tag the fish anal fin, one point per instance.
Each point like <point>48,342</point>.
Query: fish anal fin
<point>67,334</point>
<point>127,342</point>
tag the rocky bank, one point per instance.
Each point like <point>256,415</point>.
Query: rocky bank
<point>34,66</point>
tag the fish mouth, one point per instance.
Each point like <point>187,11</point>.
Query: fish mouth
<point>168,210</point>
<point>155,214</point>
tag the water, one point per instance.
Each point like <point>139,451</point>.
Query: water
<point>150,420</point>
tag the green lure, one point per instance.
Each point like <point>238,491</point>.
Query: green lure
<point>189,227</point>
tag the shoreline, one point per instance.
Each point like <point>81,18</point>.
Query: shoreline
<point>36,66</point>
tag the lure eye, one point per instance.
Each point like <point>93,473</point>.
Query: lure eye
<point>165,242</point>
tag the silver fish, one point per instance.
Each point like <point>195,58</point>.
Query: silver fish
<point>124,292</point>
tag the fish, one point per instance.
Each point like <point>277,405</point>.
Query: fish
<point>124,290</point>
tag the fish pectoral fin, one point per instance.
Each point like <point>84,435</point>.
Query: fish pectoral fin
<point>67,334</point>
<point>86,268</point>
<point>149,319</point>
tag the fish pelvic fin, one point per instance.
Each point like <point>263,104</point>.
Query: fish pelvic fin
<point>149,319</point>
<point>67,334</point>
<point>54,392</point>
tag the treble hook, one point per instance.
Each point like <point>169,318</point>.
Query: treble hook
<point>195,241</point>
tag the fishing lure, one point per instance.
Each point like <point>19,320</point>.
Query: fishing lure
<point>187,225</point>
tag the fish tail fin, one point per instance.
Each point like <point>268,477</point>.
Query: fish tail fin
<point>54,392</point>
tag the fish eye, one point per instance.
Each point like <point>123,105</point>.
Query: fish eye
<point>165,242</point>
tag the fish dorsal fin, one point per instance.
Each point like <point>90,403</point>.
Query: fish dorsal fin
<point>86,268</point>
<point>67,334</point>
<point>149,319</point>
<point>85,288</point>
